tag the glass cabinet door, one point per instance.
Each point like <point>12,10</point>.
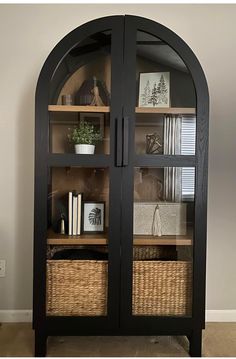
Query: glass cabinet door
<point>163,221</point>
<point>160,220</point>
<point>81,181</point>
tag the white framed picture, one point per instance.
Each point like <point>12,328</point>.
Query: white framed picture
<point>154,89</point>
<point>93,217</point>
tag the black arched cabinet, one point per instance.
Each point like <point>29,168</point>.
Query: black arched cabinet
<point>120,234</point>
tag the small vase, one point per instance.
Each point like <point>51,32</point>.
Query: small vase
<point>83,149</point>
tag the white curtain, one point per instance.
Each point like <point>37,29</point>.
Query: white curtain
<point>172,146</point>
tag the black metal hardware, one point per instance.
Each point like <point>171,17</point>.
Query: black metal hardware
<point>118,142</point>
<point>125,128</point>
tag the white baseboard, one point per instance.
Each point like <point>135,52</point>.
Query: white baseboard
<point>25,316</point>
<point>15,316</point>
<point>221,315</point>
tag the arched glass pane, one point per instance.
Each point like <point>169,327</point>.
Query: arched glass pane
<point>163,209</point>
<point>78,196</point>
<point>80,97</point>
<point>165,102</point>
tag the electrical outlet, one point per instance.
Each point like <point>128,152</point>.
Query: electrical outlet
<point>2,267</point>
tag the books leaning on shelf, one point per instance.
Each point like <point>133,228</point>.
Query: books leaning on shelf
<point>74,213</point>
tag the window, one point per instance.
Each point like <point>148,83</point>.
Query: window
<point>188,139</point>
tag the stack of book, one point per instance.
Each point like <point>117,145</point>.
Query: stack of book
<point>74,213</point>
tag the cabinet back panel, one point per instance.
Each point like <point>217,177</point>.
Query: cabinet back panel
<point>92,182</point>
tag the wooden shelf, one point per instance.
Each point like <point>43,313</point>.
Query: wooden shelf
<point>101,239</point>
<point>64,239</point>
<point>63,108</point>
<point>102,109</point>
<point>164,110</point>
<point>162,241</point>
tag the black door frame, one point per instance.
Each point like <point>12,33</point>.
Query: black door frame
<point>44,160</point>
<point>200,161</point>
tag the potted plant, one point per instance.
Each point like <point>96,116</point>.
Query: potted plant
<point>84,138</point>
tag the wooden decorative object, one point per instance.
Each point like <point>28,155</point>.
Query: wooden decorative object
<point>93,92</point>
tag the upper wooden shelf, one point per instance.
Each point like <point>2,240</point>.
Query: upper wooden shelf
<point>101,239</point>
<point>103,109</point>
<point>63,108</point>
<point>170,110</point>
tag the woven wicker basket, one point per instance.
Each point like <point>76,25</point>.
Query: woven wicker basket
<point>171,294</point>
<point>79,287</point>
<point>153,252</point>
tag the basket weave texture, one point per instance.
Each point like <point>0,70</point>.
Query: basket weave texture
<point>161,288</point>
<point>153,252</point>
<point>79,287</point>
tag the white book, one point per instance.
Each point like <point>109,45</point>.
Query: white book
<point>79,213</point>
<point>70,209</point>
<point>75,212</point>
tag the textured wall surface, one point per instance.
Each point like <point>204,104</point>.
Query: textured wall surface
<point>27,35</point>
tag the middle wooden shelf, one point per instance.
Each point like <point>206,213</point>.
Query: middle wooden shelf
<point>102,239</point>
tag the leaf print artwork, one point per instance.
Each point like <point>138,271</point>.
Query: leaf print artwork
<point>95,217</point>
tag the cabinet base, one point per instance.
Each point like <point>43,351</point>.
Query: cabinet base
<point>195,344</point>
<point>40,344</point>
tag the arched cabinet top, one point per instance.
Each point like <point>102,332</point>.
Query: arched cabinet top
<point>62,49</point>
<point>48,76</point>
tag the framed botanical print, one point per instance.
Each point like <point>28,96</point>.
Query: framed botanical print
<point>93,217</point>
<point>154,89</point>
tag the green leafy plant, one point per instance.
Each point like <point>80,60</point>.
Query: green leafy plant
<point>84,134</point>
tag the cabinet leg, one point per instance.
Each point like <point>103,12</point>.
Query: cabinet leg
<point>40,344</point>
<point>195,343</point>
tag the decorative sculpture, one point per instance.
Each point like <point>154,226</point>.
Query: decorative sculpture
<point>153,144</point>
<point>92,92</point>
<point>97,101</point>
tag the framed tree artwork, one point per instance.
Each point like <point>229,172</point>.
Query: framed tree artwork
<point>154,89</point>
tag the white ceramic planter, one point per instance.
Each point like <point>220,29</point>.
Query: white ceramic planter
<point>84,149</point>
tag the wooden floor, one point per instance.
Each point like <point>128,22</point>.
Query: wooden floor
<point>219,340</point>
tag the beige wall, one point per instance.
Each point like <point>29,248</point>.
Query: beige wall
<point>27,35</point>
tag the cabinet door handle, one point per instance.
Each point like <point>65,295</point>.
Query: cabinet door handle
<point>125,141</point>
<point>118,125</point>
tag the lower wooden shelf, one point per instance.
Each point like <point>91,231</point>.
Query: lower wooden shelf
<point>101,239</point>
<point>64,239</point>
<point>163,241</point>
